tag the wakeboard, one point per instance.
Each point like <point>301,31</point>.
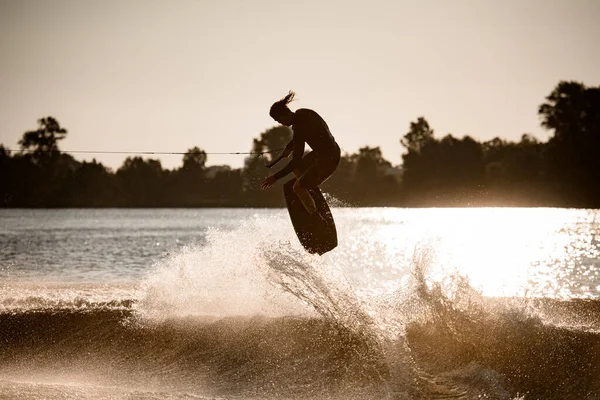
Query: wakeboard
<point>316,232</point>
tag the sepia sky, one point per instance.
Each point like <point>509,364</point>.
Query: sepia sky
<point>158,75</point>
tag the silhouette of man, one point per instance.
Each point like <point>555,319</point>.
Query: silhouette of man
<point>311,169</point>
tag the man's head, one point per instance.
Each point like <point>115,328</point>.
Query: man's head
<point>280,111</point>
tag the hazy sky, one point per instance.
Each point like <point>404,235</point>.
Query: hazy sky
<point>150,75</point>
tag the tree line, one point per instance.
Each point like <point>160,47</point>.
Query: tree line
<point>446,171</point>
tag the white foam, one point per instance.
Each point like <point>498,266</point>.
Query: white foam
<point>228,276</point>
<point>38,296</point>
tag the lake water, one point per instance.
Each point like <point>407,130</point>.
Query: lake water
<point>187,303</point>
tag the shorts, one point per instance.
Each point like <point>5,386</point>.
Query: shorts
<point>317,168</point>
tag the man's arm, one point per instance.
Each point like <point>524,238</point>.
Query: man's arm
<point>288,148</point>
<point>298,152</point>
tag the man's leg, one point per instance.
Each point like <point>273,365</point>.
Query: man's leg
<point>318,171</point>
<point>307,164</point>
<point>305,197</point>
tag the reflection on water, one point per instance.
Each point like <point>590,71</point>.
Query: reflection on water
<point>502,251</point>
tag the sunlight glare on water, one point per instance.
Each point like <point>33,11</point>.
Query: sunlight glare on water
<point>502,251</point>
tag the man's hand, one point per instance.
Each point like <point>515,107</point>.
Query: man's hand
<point>267,183</point>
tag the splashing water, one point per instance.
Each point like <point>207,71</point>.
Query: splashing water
<point>222,278</point>
<point>366,320</point>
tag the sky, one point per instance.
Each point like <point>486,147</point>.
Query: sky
<point>165,76</point>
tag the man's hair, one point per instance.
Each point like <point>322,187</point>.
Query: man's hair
<point>281,106</point>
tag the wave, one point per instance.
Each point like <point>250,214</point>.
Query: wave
<point>458,353</point>
<point>274,322</point>
<point>529,348</point>
<point>228,356</point>
<point>498,356</point>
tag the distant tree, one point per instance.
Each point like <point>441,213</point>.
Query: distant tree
<point>572,112</point>
<point>373,185</point>
<point>441,172</point>
<point>370,163</point>
<point>419,134</point>
<point>43,142</point>
<point>194,159</point>
<point>189,181</point>
<point>460,169</point>
<point>93,185</point>
<point>140,182</point>
<point>449,171</point>
<point>224,186</point>
<point>6,177</point>
<point>418,171</point>
<point>57,186</point>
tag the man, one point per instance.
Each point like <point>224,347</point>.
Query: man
<point>318,165</point>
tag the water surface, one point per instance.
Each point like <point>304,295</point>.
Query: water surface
<point>499,303</point>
